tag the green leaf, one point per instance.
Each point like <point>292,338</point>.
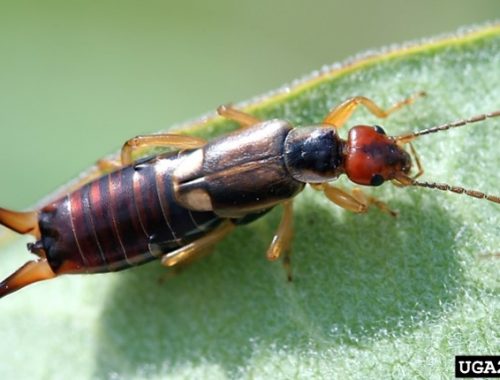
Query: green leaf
<point>373,296</point>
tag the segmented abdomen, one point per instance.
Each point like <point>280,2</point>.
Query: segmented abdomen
<point>113,222</point>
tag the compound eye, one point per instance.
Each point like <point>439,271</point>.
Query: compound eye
<point>379,129</point>
<point>376,180</point>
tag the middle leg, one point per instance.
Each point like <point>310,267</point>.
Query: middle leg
<point>244,119</point>
<point>195,249</point>
<point>280,245</point>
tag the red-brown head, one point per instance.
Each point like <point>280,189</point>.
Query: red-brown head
<point>372,157</point>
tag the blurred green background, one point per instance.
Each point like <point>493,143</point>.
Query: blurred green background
<point>77,78</point>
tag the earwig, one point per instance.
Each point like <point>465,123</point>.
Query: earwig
<point>174,206</point>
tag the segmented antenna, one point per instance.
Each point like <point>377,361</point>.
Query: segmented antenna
<point>457,189</point>
<point>411,181</point>
<point>459,123</point>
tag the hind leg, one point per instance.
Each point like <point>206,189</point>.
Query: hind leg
<point>196,249</point>
<point>21,222</point>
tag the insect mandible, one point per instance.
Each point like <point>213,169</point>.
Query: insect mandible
<point>174,206</point>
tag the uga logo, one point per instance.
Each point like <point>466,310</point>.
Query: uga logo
<point>477,366</point>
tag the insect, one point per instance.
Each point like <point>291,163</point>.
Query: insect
<point>174,206</point>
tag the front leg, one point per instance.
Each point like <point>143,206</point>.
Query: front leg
<point>356,202</point>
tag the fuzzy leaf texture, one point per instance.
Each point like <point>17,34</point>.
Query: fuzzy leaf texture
<point>372,296</point>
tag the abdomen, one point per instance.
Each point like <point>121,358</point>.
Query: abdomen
<point>111,223</point>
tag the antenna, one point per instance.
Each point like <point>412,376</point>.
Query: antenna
<point>456,189</point>
<point>403,139</point>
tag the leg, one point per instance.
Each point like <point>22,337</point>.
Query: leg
<point>108,165</point>
<point>165,140</point>
<point>368,201</point>
<point>420,169</point>
<point>282,239</point>
<point>340,114</point>
<point>244,119</point>
<point>340,197</point>
<point>357,201</point>
<point>193,250</point>
<point>20,222</point>
<point>406,180</point>
<point>170,140</point>
<point>179,268</point>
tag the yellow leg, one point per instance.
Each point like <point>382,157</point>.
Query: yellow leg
<point>369,201</point>
<point>357,201</point>
<point>21,222</point>
<point>244,119</point>
<point>340,114</point>
<point>170,140</point>
<point>418,164</point>
<point>280,245</point>
<point>193,250</point>
<point>175,140</point>
<point>106,166</point>
<point>340,197</point>
<point>404,180</point>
